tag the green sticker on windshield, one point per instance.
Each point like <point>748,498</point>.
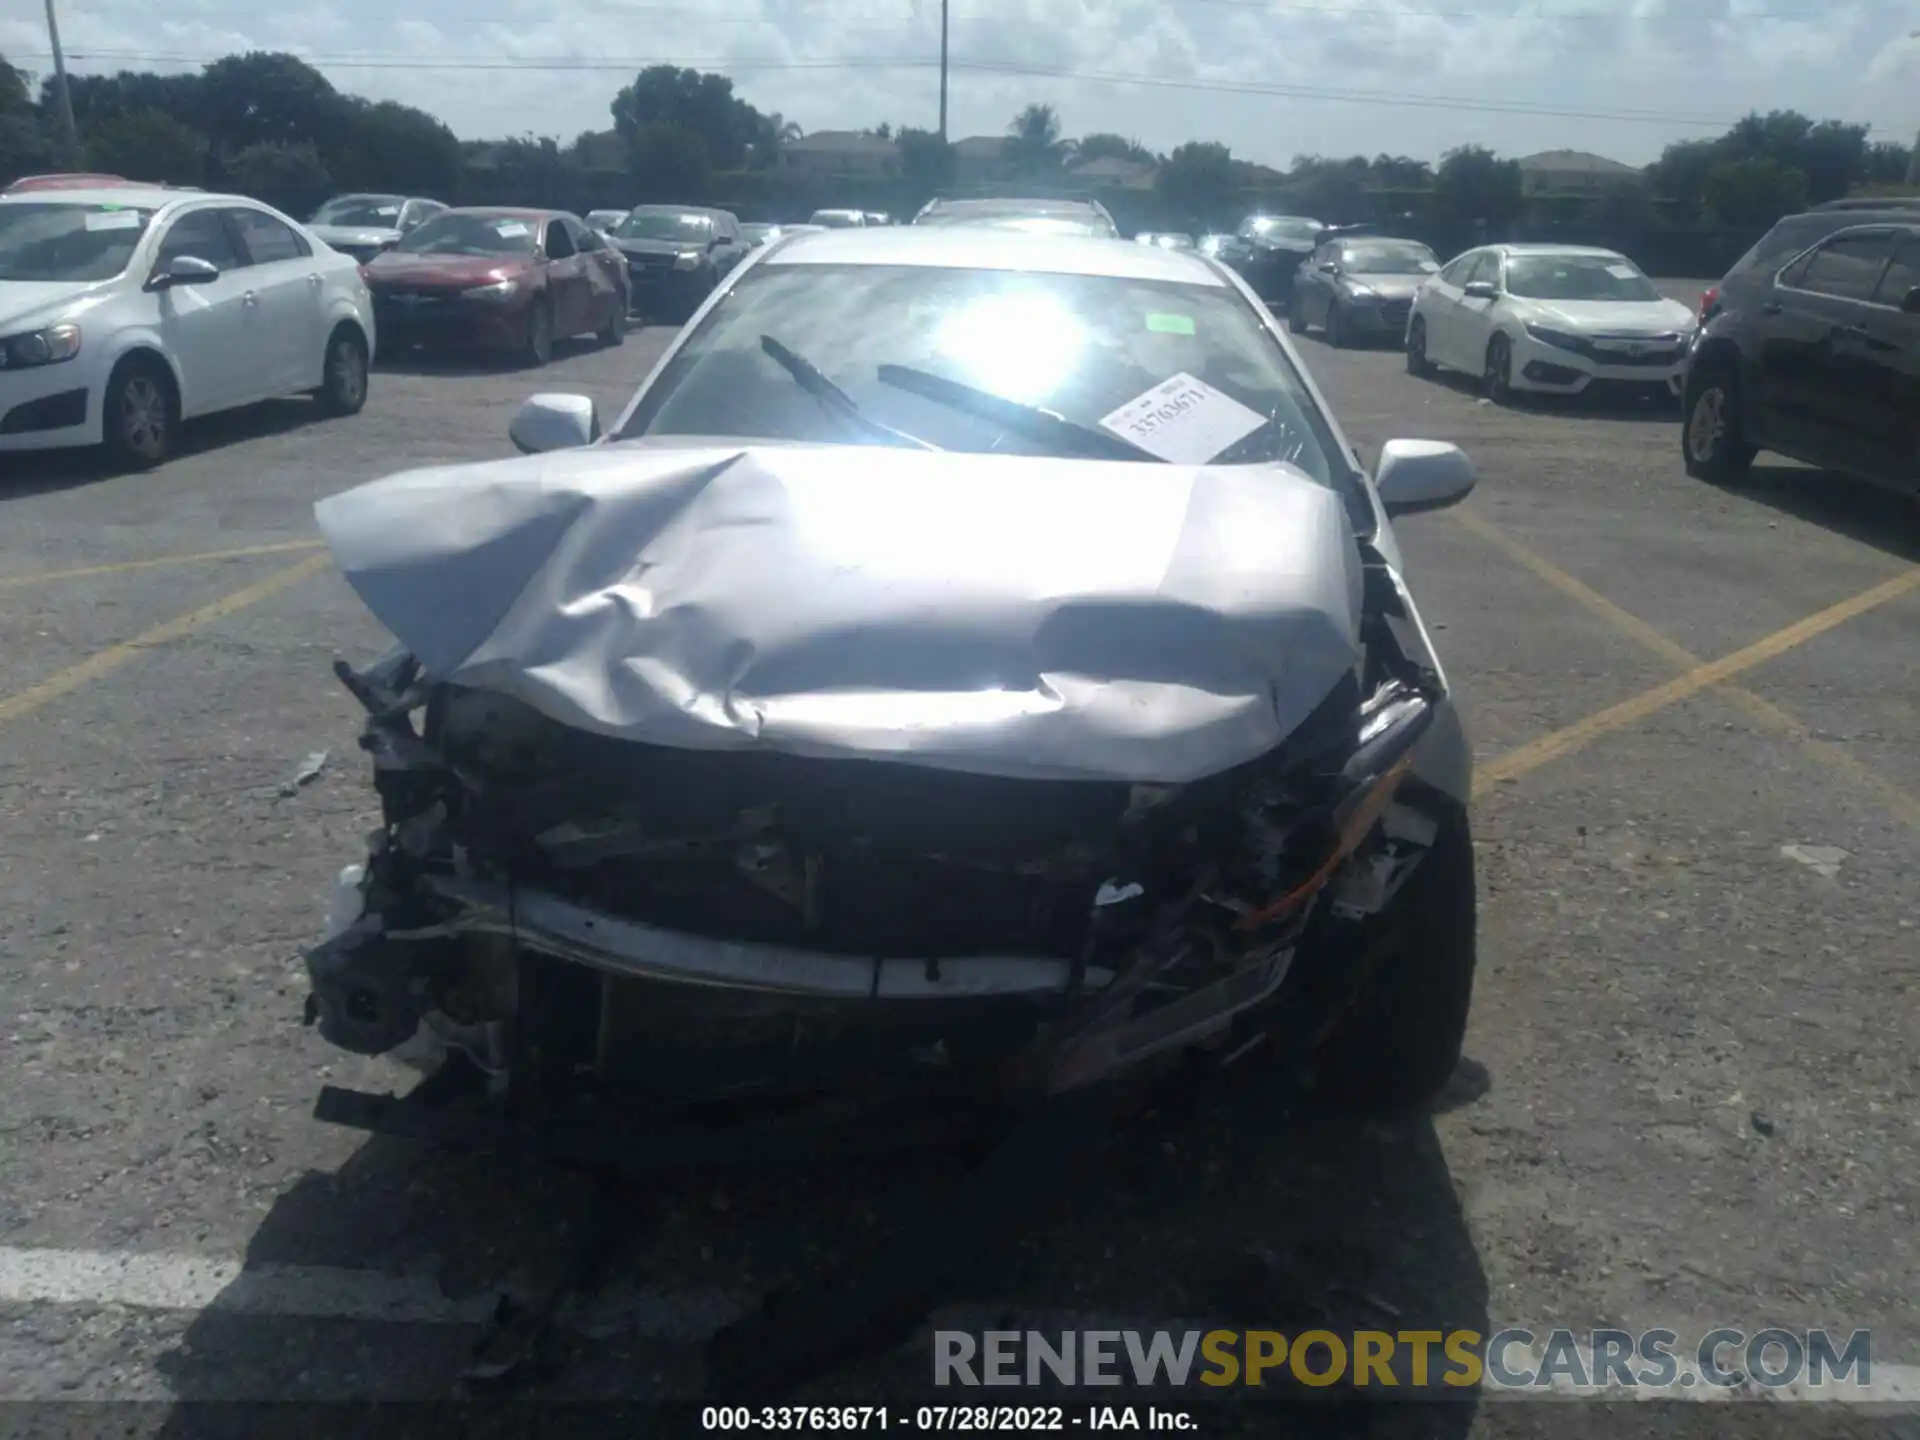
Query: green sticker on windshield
<point>1170,324</point>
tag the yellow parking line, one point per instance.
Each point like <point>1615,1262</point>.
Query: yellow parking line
<point>12,707</point>
<point>8,582</point>
<point>1699,675</point>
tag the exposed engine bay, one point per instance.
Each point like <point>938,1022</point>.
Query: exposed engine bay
<point>658,927</point>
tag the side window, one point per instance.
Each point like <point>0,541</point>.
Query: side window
<point>1486,266</point>
<point>1456,271</point>
<point>559,243</point>
<point>201,234</point>
<point>1846,267</point>
<point>265,239</point>
<point>1902,275</point>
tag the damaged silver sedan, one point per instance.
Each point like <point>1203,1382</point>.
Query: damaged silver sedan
<point>974,666</point>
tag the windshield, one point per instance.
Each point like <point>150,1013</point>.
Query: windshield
<point>1082,346</point>
<point>1577,277</point>
<point>51,242</point>
<point>1388,257</point>
<point>374,212</point>
<point>665,225</point>
<point>473,234</point>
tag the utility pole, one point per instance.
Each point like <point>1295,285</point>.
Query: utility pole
<point>1913,156</point>
<point>943,66</point>
<point>60,87</point>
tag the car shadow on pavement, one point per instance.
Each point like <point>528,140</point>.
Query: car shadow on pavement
<point>1245,1208</point>
<point>1870,514</point>
<point>1629,409</point>
<point>42,472</point>
<point>431,362</point>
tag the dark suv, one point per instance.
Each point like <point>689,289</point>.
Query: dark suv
<point>1818,359</point>
<point>1795,233</point>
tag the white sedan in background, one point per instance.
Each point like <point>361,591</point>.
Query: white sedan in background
<point>124,311</point>
<point>1550,319</point>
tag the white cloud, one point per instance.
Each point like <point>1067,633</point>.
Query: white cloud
<point>1601,63</point>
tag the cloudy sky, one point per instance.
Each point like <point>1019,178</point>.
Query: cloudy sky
<point>1270,78</point>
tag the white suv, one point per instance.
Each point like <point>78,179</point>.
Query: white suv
<point>125,310</point>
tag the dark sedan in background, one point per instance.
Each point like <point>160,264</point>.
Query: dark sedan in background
<point>676,254</point>
<point>1273,247</point>
<point>498,280</point>
<point>1360,288</point>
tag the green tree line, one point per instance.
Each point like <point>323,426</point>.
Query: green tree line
<point>271,125</point>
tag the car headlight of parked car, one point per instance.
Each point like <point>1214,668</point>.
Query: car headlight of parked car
<point>499,290</point>
<point>1559,339</point>
<point>40,347</point>
<point>1361,295</point>
<point>687,260</point>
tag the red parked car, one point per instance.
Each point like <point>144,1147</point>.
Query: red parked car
<point>496,279</point>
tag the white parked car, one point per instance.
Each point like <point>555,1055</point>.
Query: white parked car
<point>1028,578</point>
<point>1553,319</point>
<point>124,311</point>
<point>605,221</point>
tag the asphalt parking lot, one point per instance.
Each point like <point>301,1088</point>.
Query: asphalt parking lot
<point>1695,1052</point>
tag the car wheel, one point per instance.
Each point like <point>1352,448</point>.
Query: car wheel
<point>1397,1045</point>
<point>1498,380</point>
<point>140,417</point>
<point>1296,317</point>
<point>1338,333</point>
<point>1417,361</point>
<point>343,376</point>
<point>615,330</point>
<point>1710,433</point>
<point>538,345</point>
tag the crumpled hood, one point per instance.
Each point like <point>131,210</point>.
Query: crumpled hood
<point>999,615</point>
<point>1612,317</point>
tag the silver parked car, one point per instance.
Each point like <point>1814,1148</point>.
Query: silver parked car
<point>975,664</point>
<point>364,225</point>
<point>1360,288</point>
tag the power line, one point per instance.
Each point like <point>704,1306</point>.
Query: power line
<point>379,60</point>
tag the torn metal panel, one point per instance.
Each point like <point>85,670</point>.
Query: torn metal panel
<point>996,615</point>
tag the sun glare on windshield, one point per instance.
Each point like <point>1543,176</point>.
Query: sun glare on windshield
<point>1017,345</point>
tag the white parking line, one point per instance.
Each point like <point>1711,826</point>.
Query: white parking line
<point>200,1284</point>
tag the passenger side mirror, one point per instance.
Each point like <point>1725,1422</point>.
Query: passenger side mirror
<point>1416,475</point>
<point>1910,302</point>
<point>1481,290</point>
<point>554,422</point>
<point>184,270</point>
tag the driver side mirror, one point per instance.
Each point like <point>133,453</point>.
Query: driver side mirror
<point>554,422</point>
<point>1482,290</point>
<point>184,270</point>
<point>1416,475</point>
<point>1910,302</point>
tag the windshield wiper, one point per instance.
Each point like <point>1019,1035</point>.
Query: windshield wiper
<point>1047,426</point>
<point>835,401</point>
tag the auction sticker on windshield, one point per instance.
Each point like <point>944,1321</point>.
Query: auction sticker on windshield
<point>1184,421</point>
<point>114,220</point>
<point>1623,272</point>
<point>510,229</point>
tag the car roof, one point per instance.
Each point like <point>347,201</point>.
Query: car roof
<point>519,212</point>
<point>142,197</point>
<point>1013,205</point>
<point>1539,247</point>
<point>964,248</point>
